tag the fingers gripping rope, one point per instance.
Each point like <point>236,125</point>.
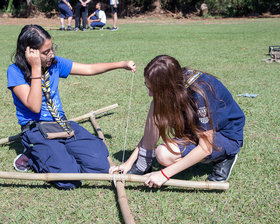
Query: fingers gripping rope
<point>114,177</point>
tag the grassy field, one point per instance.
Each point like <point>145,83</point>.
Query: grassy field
<point>231,50</point>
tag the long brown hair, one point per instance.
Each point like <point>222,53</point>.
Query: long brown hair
<point>175,109</point>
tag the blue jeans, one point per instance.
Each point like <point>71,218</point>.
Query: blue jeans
<point>96,24</point>
<point>83,153</point>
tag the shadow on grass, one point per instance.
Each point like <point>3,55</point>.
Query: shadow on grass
<point>16,145</point>
<point>139,187</point>
<point>31,186</point>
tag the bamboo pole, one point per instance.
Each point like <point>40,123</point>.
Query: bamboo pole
<point>9,139</point>
<point>77,119</point>
<point>122,199</point>
<point>94,113</point>
<point>205,185</point>
<point>97,128</point>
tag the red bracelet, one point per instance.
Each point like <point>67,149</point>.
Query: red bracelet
<point>164,175</point>
<point>35,77</point>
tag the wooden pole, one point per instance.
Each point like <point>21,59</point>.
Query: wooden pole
<point>9,139</point>
<point>97,128</point>
<point>94,113</point>
<point>77,119</point>
<point>122,199</point>
<point>205,185</point>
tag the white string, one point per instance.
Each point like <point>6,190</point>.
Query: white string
<point>128,114</point>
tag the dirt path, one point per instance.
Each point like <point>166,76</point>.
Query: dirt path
<point>142,19</point>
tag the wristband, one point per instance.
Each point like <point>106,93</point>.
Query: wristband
<point>164,175</point>
<point>35,77</point>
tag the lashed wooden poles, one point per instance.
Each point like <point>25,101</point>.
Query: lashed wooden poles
<point>122,199</point>
<point>117,178</point>
<point>203,185</point>
<point>77,119</point>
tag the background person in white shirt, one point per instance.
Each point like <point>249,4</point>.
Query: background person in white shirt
<point>97,18</point>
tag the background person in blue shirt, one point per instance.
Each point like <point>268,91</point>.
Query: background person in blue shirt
<point>82,153</point>
<point>97,18</point>
<point>65,9</point>
<point>197,119</point>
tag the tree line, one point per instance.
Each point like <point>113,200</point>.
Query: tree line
<point>226,8</point>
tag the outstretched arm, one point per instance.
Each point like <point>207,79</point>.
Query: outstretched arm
<point>98,68</point>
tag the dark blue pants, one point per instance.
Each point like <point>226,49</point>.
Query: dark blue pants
<point>83,153</point>
<point>81,11</point>
<point>96,24</point>
<point>225,147</point>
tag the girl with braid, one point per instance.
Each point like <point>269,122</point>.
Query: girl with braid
<point>52,143</point>
<point>197,119</point>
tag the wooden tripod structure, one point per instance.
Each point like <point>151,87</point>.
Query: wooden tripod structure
<point>118,179</point>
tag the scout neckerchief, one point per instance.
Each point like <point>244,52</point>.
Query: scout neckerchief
<point>192,79</point>
<point>51,106</point>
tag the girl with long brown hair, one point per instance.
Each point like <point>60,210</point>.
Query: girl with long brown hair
<point>195,116</point>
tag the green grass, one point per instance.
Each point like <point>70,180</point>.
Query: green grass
<point>230,50</point>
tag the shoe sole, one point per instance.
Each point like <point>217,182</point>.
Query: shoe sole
<point>236,156</point>
<point>16,166</point>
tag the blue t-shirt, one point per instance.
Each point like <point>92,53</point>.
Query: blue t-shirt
<point>227,116</point>
<point>16,77</point>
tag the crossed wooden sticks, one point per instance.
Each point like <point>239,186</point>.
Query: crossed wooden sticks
<point>118,179</point>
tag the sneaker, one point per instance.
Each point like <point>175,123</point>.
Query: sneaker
<point>21,163</point>
<point>76,29</point>
<point>222,169</point>
<point>114,29</point>
<point>135,170</point>
<point>61,28</point>
<point>84,29</point>
<point>69,28</point>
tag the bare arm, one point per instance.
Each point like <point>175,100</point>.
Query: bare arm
<point>92,14</point>
<point>67,3</point>
<point>203,149</point>
<point>84,4</point>
<point>98,68</point>
<point>31,96</point>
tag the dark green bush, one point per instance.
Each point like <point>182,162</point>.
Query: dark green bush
<point>226,8</point>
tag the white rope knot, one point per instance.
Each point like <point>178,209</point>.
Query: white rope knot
<point>114,180</point>
<point>123,178</point>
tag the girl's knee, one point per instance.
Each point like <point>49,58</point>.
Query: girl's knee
<point>164,156</point>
